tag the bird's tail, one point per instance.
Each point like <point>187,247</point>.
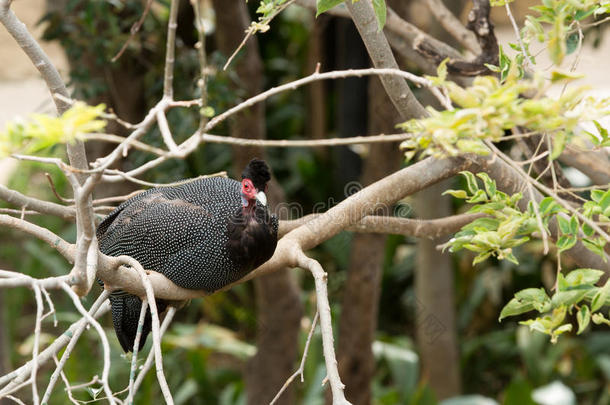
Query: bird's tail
<point>125,316</point>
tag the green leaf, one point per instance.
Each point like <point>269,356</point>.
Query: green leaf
<point>564,225</point>
<point>559,144</point>
<point>526,300</point>
<point>441,70</point>
<point>515,307</point>
<point>560,330</point>
<point>480,258</point>
<point>574,225</point>
<point>490,185</point>
<point>548,206</point>
<point>598,319</point>
<point>566,242</point>
<point>602,131</point>
<point>587,230</point>
<point>599,299</point>
<point>323,6</point>
<point>557,76</point>
<point>570,297</point>
<point>583,317</point>
<point>596,195</point>
<point>537,296</point>
<point>457,193</point>
<point>572,42</point>
<point>208,111</point>
<point>604,202</point>
<point>475,146</point>
<point>471,181</point>
<point>582,14</point>
<point>556,43</point>
<point>583,276</point>
<point>380,13</point>
<point>595,245</point>
<point>478,197</point>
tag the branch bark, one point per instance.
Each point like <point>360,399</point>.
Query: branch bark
<point>453,25</point>
<point>379,50</point>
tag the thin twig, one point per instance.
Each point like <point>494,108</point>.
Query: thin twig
<point>136,348</point>
<point>301,369</point>
<point>167,134</point>
<point>527,59</point>
<point>252,30</point>
<point>150,295</point>
<point>320,278</point>
<point>66,382</point>
<point>103,338</point>
<point>201,55</point>
<point>60,198</point>
<point>15,377</point>
<point>170,50</point>
<point>133,31</point>
<point>169,315</point>
<point>37,329</point>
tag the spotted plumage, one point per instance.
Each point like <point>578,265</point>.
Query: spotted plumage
<point>203,235</point>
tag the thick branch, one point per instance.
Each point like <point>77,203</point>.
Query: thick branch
<point>594,164</point>
<point>394,24</point>
<point>419,228</point>
<point>44,207</point>
<point>379,50</point>
<point>66,249</point>
<point>332,372</point>
<point>453,25</point>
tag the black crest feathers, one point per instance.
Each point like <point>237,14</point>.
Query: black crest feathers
<point>257,171</point>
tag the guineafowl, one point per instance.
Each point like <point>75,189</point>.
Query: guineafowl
<point>202,235</point>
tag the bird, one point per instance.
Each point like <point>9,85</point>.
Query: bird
<point>203,234</point>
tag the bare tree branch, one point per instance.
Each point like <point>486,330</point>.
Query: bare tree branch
<point>453,25</point>
<point>419,228</point>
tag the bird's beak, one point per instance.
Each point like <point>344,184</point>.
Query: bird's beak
<point>262,197</point>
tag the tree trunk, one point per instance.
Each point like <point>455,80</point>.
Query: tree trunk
<point>279,309</point>
<point>360,303</point>
<point>435,303</point>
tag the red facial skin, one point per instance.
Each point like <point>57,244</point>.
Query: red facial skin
<point>248,193</point>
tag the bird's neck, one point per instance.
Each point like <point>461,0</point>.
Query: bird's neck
<point>248,209</point>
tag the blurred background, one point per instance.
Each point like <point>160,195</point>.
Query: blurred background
<point>413,326</point>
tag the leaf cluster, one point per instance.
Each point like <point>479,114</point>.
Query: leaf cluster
<point>504,226</point>
<point>575,291</point>
<point>491,106</point>
<point>43,131</point>
<point>555,24</point>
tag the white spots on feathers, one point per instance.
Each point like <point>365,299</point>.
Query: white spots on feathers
<point>179,231</point>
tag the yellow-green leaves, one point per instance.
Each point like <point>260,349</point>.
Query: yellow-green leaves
<point>43,131</point>
<point>559,17</point>
<point>323,6</point>
<point>380,13</point>
<point>556,39</point>
<point>505,227</point>
<point>490,106</point>
<point>527,300</point>
<point>574,291</point>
